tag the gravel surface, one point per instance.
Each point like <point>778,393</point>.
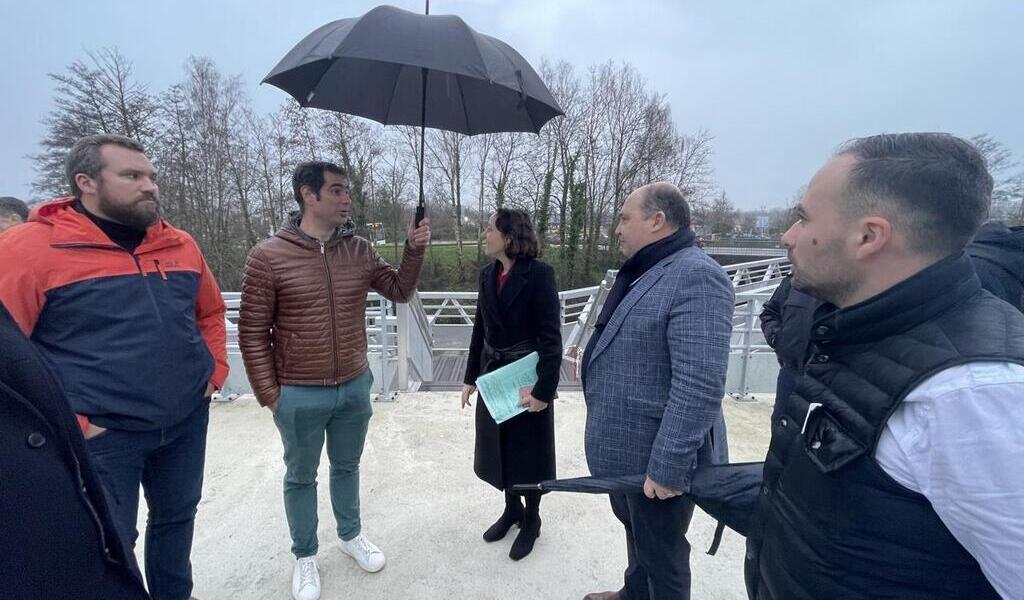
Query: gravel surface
<point>425,508</point>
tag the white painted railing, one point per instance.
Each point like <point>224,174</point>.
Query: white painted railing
<point>401,338</point>
<point>392,336</point>
<point>752,363</point>
<point>751,276</point>
<point>456,309</point>
<point>746,251</point>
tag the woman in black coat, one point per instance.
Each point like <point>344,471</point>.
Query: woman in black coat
<point>517,313</point>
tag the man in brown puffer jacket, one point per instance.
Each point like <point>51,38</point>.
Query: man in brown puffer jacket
<point>302,333</point>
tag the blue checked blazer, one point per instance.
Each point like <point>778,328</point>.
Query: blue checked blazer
<point>656,377</point>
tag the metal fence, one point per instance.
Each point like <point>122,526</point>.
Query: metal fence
<point>403,339</point>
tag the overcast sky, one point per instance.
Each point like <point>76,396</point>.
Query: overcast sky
<point>777,83</point>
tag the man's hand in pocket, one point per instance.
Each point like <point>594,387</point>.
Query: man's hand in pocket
<point>92,431</point>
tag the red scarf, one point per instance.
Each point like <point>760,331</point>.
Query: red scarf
<point>502,277</point>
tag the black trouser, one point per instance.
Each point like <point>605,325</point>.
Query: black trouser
<point>514,502</point>
<point>656,546</point>
<point>169,464</point>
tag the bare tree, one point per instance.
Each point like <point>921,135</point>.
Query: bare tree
<point>694,171</point>
<point>447,152</point>
<point>722,216</point>
<point>565,85</point>
<point>271,147</point>
<point>483,150</point>
<point>99,95</point>
<point>226,170</point>
<point>396,182</point>
<point>1008,193</point>
<point>356,144</point>
<point>204,118</point>
<point>505,153</point>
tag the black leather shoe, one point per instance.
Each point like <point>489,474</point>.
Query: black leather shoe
<point>502,525</point>
<point>528,533</point>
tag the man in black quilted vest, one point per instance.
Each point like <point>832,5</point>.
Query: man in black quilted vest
<point>895,466</point>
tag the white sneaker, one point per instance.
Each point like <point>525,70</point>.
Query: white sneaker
<point>366,554</point>
<point>306,579</point>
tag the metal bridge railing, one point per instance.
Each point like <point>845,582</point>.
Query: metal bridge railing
<point>401,339</point>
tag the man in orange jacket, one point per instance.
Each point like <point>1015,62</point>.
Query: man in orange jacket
<point>125,309</point>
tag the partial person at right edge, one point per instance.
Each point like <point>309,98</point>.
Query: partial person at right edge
<point>895,462</point>
<point>996,252</point>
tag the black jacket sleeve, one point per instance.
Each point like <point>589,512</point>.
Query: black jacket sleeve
<point>548,328</point>
<point>771,314</point>
<point>476,343</point>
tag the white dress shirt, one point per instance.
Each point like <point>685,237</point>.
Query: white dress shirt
<point>958,439</point>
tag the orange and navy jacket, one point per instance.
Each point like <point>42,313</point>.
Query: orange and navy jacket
<point>135,337</point>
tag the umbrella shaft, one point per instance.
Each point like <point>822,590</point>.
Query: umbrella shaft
<point>423,137</point>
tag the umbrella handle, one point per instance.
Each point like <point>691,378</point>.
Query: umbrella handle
<point>527,487</point>
<point>420,213</point>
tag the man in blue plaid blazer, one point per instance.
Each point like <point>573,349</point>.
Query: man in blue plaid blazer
<point>654,377</point>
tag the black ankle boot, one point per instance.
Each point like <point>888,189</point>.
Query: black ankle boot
<point>529,531</point>
<point>510,517</point>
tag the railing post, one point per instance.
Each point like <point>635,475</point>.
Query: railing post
<point>748,334</point>
<point>385,384</point>
<point>404,314</point>
<point>588,316</point>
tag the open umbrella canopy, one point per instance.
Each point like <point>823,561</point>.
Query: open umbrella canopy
<point>727,492</point>
<point>376,65</point>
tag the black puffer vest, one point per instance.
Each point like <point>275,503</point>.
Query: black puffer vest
<point>831,523</point>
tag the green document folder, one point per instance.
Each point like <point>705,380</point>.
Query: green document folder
<point>500,387</point>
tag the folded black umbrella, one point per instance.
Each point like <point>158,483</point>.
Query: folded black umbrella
<point>728,493</point>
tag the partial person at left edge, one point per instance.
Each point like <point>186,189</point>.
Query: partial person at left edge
<point>52,499</point>
<point>124,308</point>
<point>12,212</point>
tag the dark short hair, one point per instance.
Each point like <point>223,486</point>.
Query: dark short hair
<point>668,199</point>
<point>934,187</point>
<point>85,156</point>
<point>521,240</point>
<point>10,205</point>
<point>311,174</point>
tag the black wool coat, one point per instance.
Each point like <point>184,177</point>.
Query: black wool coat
<point>786,322</point>
<point>522,449</point>
<point>59,540</point>
<point>998,256</point>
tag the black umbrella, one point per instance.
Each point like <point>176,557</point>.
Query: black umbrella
<point>402,68</point>
<point>726,492</point>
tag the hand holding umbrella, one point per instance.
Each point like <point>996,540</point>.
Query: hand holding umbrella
<point>419,236</point>
<point>727,492</point>
<point>653,489</point>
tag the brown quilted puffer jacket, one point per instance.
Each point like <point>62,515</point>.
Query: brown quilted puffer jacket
<point>302,319</point>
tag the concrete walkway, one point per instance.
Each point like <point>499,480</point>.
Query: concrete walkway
<point>426,510</point>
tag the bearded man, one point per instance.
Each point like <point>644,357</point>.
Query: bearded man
<point>124,308</point>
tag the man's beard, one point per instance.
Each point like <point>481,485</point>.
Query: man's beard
<point>137,215</point>
<point>835,290</point>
